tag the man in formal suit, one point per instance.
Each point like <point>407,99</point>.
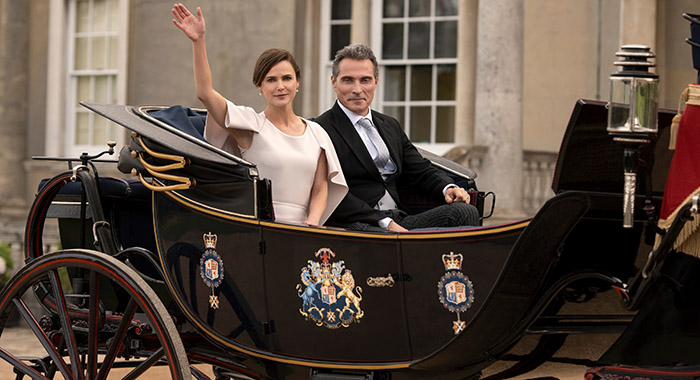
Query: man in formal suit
<point>378,159</point>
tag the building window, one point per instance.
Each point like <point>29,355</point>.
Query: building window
<point>336,27</point>
<point>94,62</point>
<point>341,14</point>
<point>418,64</point>
<point>416,45</point>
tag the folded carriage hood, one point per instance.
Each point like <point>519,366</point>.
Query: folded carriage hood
<point>130,117</point>
<point>448,165</point>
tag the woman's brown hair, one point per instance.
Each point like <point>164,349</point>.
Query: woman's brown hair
<point>268,59</point>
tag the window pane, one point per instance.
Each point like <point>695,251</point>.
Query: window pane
<point>114,16</point>
<point>392,41</point>
<point>99,131</point>
<point>341,10</point>
<point>112,129</point>
<point>113,52</point>
<point>420,124</point>
<point>98,53</point>
<point>81,54</point>
<point>82,128</point>
<point>419,8</point>
<point>445,129</point>
<point>421,83</point>
<point>82,19</point>
<point>447,79</point>
<point>340,37</point>
<point>82,92</point>
<point>418,40</point>
<point>393,8</point>
<point>446,7</point>
<point>95,44</point>
<point>113,87</point>
<point>99,16</point>
<point>396,112</point>
<point>446,39</point>
<point>395,83</point>
<point>102,89</point>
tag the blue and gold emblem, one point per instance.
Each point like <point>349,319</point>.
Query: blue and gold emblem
<point>328,292</point>
<point>211,268</point>
<point>455,291</point>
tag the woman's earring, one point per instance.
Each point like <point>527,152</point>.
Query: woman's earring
<point>260,93</point>
<point>297,90</point>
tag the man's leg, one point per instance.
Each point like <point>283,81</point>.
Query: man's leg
<point>449,215</point>
<point>364,227</point>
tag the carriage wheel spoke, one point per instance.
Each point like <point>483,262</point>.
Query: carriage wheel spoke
<point>145,365</point>
<point>20,365</point>
<point>93,325</point>
<point>117,340</point>
<point>64,318</point>
<point>43,339</point>
<point>72,343</point>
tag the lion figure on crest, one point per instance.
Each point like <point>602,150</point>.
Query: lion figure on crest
<point>346,284</point>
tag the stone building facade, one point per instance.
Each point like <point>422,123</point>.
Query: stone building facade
<point>488,83</point>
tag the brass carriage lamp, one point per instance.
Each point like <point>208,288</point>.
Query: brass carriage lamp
<point>632,113</point>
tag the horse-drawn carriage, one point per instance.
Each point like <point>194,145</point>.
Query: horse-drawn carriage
<point>185,266</point>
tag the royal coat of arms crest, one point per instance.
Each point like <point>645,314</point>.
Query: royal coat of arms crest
<point>455,291</point>
<point>328,292</point>
<point>211,268</point>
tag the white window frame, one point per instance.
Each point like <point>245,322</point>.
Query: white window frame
<point>60,126</point>
<point>379,102</point>
<point>326,93</point>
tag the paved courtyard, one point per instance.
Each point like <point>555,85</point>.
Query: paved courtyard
<point>578,347</point>
<point>569,363</point>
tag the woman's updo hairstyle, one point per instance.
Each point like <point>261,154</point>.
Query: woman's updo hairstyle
<point>268,59</point>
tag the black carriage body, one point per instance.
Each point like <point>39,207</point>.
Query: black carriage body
<point>261,293</point>
<point>262,290</point>
<point>404,305</point>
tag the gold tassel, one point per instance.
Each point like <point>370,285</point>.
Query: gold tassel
<point>676,122</point>
<point>673,137</point>
<point>688,239</point>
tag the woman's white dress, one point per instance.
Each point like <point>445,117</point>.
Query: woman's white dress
<point>289,161</point>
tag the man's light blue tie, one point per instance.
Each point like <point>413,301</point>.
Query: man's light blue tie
<point>382,151</point>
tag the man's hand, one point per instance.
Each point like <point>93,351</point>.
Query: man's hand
<point>456,194</point>
<point>395,227</point>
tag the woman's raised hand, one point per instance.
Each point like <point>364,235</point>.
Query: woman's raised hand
<point>193,27</point>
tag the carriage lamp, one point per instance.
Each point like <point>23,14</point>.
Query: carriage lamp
<point>632,113</point>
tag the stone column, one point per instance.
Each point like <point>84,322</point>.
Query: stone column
<point>638,23</point>
<point>307,51</point>
<point>499,87</point>
<point>14,50</point>
<point>466,72</point>
<point>360,29</point>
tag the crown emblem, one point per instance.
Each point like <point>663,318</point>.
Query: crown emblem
<point>452,261</point>
<point>209,241</point>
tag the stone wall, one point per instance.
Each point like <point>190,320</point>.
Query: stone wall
<point>14,33</point>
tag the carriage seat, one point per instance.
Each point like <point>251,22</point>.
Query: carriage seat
<point>110,188</point>
<point>126,204</point>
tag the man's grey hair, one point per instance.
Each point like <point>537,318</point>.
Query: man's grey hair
<point>357,52</point>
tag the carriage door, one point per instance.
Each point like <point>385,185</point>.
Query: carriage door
<point>215,271</point>
<point>331,294</point>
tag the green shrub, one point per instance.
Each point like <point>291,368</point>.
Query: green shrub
<point>6,263</point>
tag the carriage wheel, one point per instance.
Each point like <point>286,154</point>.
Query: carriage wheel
<point>80,338</point>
